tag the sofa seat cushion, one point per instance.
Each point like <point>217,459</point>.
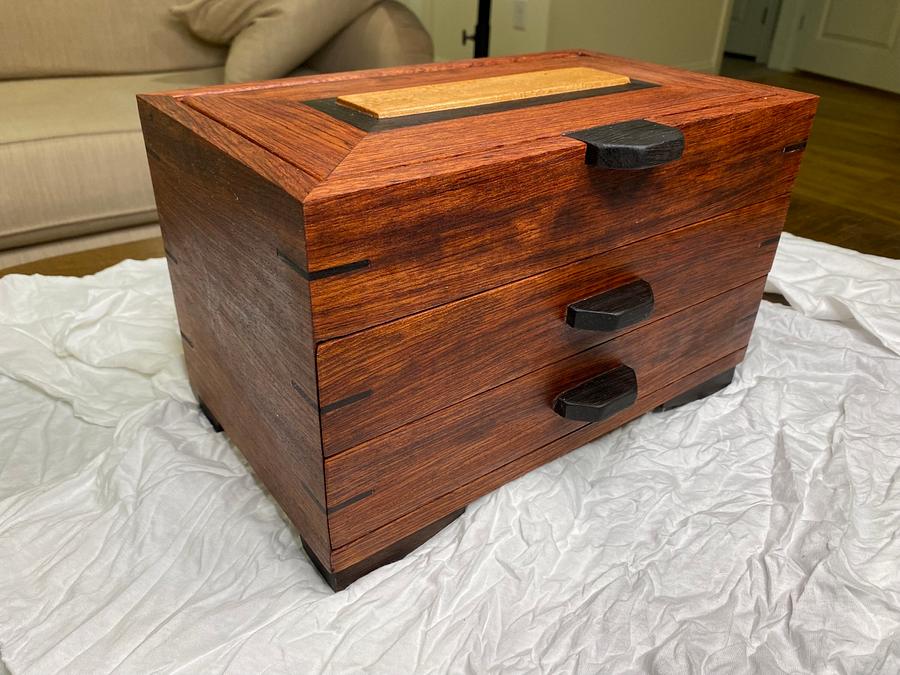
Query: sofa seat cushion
<point>72,155</point>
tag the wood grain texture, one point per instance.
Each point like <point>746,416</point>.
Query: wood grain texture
<point>432,239</point>
<point>244,315</point>
<point>428,361</point>
<point>315,142</point>
<point>384,478</point>
<point>427,512</point>
<point>319,270</point>
<point>681,90</point>
<point>424,98</point>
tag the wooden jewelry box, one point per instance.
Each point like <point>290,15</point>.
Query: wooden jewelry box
<point>399,289</point>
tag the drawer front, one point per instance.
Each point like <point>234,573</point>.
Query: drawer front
<point>379,481</point>
<point>379,253</point>
<point>380,379</point>
<point>383,537</point>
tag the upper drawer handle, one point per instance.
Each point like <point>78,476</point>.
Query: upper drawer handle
<point>600,397</point>
<point>613,309</point>
<point>636,144</point>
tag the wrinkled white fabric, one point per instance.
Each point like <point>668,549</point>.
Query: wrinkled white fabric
<point>755,531</point>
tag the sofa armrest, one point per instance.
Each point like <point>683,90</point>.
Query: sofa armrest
<point>388,34</point>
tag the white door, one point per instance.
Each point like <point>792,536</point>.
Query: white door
<point>751,28</point>
<point>853,40</point>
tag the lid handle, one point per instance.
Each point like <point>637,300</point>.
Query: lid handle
<point>636,144</point>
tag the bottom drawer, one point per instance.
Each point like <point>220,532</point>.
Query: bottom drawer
<point>387,477</point>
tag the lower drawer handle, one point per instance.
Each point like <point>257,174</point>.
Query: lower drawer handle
<point>613,309</point>
<point>600,397</point>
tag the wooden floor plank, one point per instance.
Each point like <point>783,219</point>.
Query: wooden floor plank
<point>848,190</point>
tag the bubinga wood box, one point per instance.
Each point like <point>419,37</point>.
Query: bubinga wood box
<point>399,289</point>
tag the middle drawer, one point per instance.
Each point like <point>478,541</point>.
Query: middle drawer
<point>380,379</point>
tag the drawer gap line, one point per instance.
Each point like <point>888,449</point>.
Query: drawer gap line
<point>795,147</point>
<point>296,387</point>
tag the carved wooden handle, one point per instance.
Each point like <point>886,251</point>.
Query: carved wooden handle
<point>636,144</point>
<point>600,397</point>
<point>612,309</point>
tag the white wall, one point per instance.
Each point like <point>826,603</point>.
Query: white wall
<point>684,33</point>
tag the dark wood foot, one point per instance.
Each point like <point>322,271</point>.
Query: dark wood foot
<point>777,298</point>
<point>711,386</point>
<point>212,418</point>
<point>342,578</point>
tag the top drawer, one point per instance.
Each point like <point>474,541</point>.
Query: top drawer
<point>393,249</point>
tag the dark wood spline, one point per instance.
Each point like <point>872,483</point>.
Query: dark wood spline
<point>770,241</point>
<point>186,339</point>
<point>323,273</point>
<point>325,409</point>
<point>351,500</point>
<point>794,147</point>
<point>353,398</point>
<point>296,387</point>
<point>170,255</point>
<point>312,496</point>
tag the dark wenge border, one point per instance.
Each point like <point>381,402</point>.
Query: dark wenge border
<point>360,120</point>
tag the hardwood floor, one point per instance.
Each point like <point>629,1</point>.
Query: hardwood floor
<point>848,189</point>
<point>88,262</point>
<point>847,193</point>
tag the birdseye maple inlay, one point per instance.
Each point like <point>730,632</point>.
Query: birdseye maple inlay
<point>463,94</point>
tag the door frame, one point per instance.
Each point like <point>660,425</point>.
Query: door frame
<point>784,41</point>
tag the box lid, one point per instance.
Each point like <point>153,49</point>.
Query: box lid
<point>305,122</point>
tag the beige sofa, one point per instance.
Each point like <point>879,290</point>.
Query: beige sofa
<point>73,172</point>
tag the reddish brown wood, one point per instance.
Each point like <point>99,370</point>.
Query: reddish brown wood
<point>325,140</point>
<point>425,362</point>
<point>243,313</point>
<point>371,542</point>
<point>415,279</point>
<point>381,479</point>
<point>272,116</point>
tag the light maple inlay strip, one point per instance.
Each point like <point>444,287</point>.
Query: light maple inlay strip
<point>448,95</point>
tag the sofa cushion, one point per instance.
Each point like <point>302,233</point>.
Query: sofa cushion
<point>386,35</point>
<point>72,155</point>
<point>268,37</point>
<point>52,38</point>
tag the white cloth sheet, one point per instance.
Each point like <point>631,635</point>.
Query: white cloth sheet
<point>756,531</point>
